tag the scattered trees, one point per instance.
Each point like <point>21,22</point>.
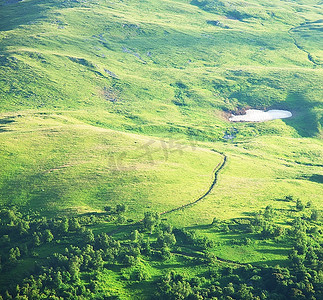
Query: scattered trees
<point>75,273</point>
<point>14,254</point>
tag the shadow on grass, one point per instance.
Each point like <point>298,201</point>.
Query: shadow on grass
<point>165,266</point>
<point>31,190</point>
<point>276,251</point>
<point>4,123</point>
<point>272,263</point>
<point>318,178</point>
<point>21,13</point>
<point>305,121</point>
<point>200,227</point>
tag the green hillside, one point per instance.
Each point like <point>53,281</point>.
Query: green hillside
<point>121,176</point>
<point>162,65</point>
<point>58,163</point>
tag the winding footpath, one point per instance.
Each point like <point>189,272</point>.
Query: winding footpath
<point>216,171</point>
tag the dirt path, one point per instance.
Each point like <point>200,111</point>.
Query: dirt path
<point>216,171</point>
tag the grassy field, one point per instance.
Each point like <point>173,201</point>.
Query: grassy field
<point>127,102</point>
<point>61,163</point>
<point>160,66</point>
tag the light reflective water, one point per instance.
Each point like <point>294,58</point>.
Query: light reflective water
<point>256,115</point>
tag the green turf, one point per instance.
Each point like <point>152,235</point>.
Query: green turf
<point>109,102</point>
<point>61,163</point>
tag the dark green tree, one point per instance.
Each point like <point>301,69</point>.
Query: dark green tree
<point>134,235</point>
<point>36,239</point>
<point>63,226</point>
<point>74,224</point>
<point>88,236</point>
<point>48,236</point>
<point>151,220</point>
<point>121,208</point>
<point>299,205</point>
<point>166,239</point>
<point>315,215</point>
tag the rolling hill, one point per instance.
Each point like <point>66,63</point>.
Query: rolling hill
<point>114,114</point>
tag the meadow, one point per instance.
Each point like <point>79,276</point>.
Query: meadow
<point>110,103</point>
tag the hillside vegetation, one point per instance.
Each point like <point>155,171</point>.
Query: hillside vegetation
<point>160,66</point>
<point>121,176</point>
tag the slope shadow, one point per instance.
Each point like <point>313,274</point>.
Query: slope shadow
<point>304,120</point>
<point>277,251</point>
<point>4,122</point>
<point>9,2</point>
<point>318,178</point>
<point>17,13</point>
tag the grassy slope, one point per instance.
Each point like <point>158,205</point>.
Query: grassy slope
<point>174,68</point>
<point>257,173</point>
<point>176,73</point>
<point>62,163</point>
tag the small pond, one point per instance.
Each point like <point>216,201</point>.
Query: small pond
<point>256,115</point>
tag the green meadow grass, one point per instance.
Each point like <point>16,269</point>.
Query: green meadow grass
<point>109,102</point>
<point>159,64</point>
<point>259,172</point>
<point>57,163</point>
<point>53,162</point>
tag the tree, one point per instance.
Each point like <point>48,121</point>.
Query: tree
<point>269,212</point>
<point>7,216</point>
<point>210,257</point>
<point>166,227</point>
<point>289,198</point>
<point>299,205</point>
<point>229,289</point>
<point>245,293</point>
<point>48,236</point>
<point>315,215</point>
<point>311,256</point>
<point>296,294</point>
<point>165,253</point>
<point>36,239</point>
<point>14,254</point>
<point>146,248</point>
<point>277,231</point>
<point>151,220</point>
<point>23,226</point>
<point>74,224</point>
<point>309,204</point>
<point>225,228</point>
<point>295,258</point>
<point>74,268</point>
<point>63,226</point>
<point>121,208</point>
<point>215,221</point>
<point>121,219</point>
<point>140,273</point>
<point>130,260</point>
<point>134,235</point>
<point>88,236</point>
<point>108,208</point>
<point>166,239</point>
<point>97,260</point>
